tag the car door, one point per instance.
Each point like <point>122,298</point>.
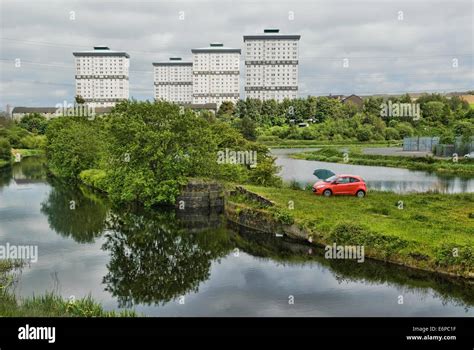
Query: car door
<point>342,185</point>
<point>353,185</point>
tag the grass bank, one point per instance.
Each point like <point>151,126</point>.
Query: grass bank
<point>463,167</point>
<point>48,305</point>
<point>287,143</point>
<point>433,232</point>
<point>29,152</point>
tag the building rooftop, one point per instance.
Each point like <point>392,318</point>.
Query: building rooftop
<point>271,33</point>
<point>52,110</point>
<point>101,51</point>
<point>34,110</point>
<point>216,48</point>
<point>173,61</point>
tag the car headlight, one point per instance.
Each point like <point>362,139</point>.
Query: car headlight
<point>320,186</point>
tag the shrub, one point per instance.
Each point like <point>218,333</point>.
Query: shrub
<point>94,177</point>
<point>382,245</point>
<point>283,216</point>
<point>392,134</point>
<point>5,149</point>
<point>35,123</point>
<point>34,142</point>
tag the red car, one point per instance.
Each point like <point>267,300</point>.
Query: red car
<point>341,184</point>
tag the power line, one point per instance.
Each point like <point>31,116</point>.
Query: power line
<point>453,55</point>
<point>320,76</point>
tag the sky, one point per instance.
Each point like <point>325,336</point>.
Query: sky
<point>361,47</point>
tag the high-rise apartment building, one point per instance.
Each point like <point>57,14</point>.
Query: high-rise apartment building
<point>174,81</point>
<point>102,76</point>
<point>216,74</point>
<point>271,61</point>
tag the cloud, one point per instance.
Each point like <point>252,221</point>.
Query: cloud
<point>385,54</point>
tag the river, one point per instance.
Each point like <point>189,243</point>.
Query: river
<point>167,263</point>
<point>377,177</point>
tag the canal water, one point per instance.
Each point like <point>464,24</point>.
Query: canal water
<point>377,177</point>
<point>167,263</point>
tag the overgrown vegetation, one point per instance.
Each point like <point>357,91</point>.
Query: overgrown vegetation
<point>441,238</point>
<point>48,305</point>
<point>144,152</point>
<point>462,166</point>
<point>331,120</point>
<point>25,137</point>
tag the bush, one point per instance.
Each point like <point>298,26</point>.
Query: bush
<point>266,138</point>
<point>283,216</point>
<point>74,144</point>
<point>33,142</point>
<point>392,134</point>
<point>95,178</point>
<point>35,123</point>
<point>294,185</point>
<point>452,254</point>
<point>382,245</point>
<point>364,134</point>
<point>5,149</point>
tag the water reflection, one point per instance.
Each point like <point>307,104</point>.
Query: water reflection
<point>452,290</point>
<point>147,259</point>
<point>154,259</point>
<point>75,212</point>
<point>377,178</point>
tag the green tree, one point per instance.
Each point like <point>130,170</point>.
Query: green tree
<point>152,148</point>
<point>372,105</point>
<point>79,99</point>
<point>5,149</point>
<point>226,108</point>
<point>34,122</point>
<point>327,108</point>
<point>73,144</point>
<point>435,111</point>
<point>270,113</point>
<point>248,128</point>
<point>405,129</point>
<point>392,134</point>
<point>364,133</point>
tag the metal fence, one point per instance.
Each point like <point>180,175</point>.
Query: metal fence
<point>444,150</point>
<point>421,144</point>
<point>462,147</point>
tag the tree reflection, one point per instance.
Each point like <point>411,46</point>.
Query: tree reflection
<point>30,168</point>
<point>5,176</point>
<point>154,259</point>
<point>75,212</point>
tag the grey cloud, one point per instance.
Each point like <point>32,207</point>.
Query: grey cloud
<point>385,55</point>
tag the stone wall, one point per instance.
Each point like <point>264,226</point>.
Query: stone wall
<point>200,194</point>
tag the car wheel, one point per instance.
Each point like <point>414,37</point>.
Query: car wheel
<point>360,194</point>
<point>327,193</point>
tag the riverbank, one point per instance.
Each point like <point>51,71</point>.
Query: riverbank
<point>48,305</point>
<point>353,155</point>
<point>431,232</point>
<point>405,229</point>
<point>288,143</point>
<point>24,152</point>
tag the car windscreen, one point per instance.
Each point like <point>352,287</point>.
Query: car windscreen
<point>331,179</point>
